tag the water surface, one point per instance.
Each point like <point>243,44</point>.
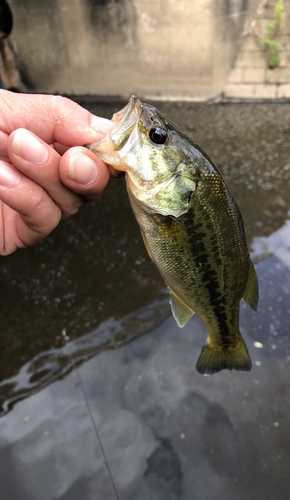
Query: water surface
<point>98,389</point>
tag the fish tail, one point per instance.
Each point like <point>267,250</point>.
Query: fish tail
<point>215,359</point>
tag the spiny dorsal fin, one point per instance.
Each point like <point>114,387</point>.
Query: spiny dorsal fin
<point>251,295</point>
<point>180,311</point>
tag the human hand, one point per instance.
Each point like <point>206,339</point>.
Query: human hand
<point>45,174</point>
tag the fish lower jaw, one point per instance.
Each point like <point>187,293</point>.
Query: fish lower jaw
<point>141,195</point>
<point>112,158</point>
<point>137,183</point>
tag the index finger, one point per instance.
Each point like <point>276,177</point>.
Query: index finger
<point>52,118</point>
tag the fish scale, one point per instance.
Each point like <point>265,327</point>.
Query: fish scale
<point>198,266</point>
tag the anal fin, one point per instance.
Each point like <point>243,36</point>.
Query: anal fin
<point>181,312</point>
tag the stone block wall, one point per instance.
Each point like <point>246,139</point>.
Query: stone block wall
<point>250,76</point>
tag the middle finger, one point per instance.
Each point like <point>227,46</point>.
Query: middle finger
<point>38,161</point>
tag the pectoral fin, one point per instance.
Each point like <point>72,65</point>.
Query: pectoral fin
<point>251,295</point>
<point>180,311</point>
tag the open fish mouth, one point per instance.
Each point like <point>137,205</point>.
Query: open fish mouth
<point>125,120</point>
<point>125,113</point>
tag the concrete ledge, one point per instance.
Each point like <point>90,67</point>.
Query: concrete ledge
<point>284,91</point>
<point>241,90</point>
<point>260,91</point>
<point>266,91</point>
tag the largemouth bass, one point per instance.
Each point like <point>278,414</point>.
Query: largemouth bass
<point>191,226</point>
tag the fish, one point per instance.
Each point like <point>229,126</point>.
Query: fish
<point>191,226</point>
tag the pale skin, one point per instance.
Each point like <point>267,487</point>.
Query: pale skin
<point>45,172</point>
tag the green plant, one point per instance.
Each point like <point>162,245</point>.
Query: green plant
<point>273,51</point>
<point>272,47</point>
<point>279,17</point>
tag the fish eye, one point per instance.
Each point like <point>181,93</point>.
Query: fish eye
<point>158,135</point>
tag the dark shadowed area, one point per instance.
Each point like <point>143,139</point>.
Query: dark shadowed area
<point>99,396</point>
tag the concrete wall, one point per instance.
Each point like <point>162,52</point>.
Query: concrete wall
<point>176,48</point>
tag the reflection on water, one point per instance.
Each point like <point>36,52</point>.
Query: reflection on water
<point>54,364</point>
<point>278,243</point>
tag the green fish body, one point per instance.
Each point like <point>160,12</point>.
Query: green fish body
<point>191,226</point>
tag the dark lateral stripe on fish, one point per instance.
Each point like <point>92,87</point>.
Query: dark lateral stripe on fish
<point>210,279</point>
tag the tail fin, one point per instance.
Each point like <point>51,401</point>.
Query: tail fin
<point>214,359</point>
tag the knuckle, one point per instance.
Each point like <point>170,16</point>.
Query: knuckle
<point>37,199</point>
<point>64,108</point>
<point>44,214</point>
<point>59,101</point>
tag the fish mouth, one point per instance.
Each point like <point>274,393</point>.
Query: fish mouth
<point>109,149</point>
<point>125,121</point>
<point>125,113</point>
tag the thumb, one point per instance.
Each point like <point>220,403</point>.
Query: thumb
<point>52,118</point>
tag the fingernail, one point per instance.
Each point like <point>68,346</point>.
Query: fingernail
<point>29,148</point>
<point>9,177</point>
<point>102,125</point>
<point>82,169</point>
